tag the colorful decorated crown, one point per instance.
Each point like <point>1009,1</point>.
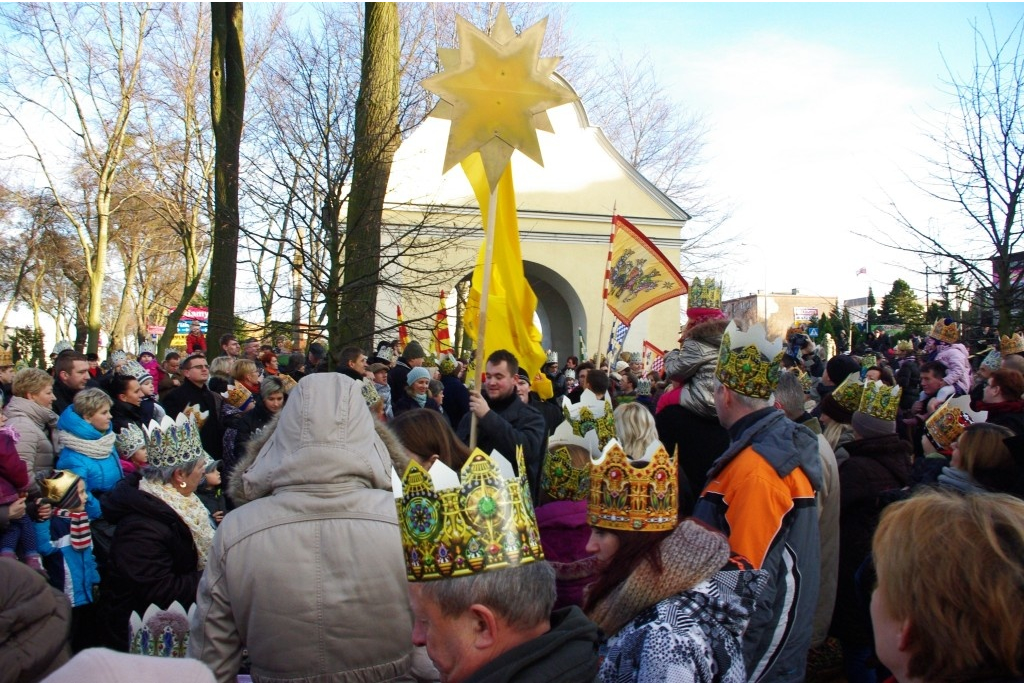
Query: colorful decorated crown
<point>56,486</point>
<point>173,442</point>
<point>640,497</point>
<point>452,527</point>
<point>643,387</point>
<point>196,413</point>
<point>950,420</point>
<point>558,477</point>
<point>287,381</point>
<point>6,356</point>
<point>747,362</point>
<point>806,379</point>
<point>130,440</point>
<point>868,360</point>
<point>590,414</point>
<point>446,363</point>
<point>704,294</point>
<point>880,400</point>
<point>62,346</point>
<point>1011,345</point>
<point>635,358</point>
<point>848,394</point>
<point>147,348</point>
<point>993,360</point>
<point>945,330</point>
<point>160,632</point>
<point>237,395</point>
<point>370,394</point>
<point>904,346</point>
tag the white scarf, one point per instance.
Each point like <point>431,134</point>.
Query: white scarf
<point>100,448</point>
<point>190,509</point>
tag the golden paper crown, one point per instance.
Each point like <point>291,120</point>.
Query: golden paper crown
<point>880,400</point>
<point>57,485</point>
<point>237,395</point>
<point>904,346</point>
<point>559,478</point>
<point>747,362</point>
<point>288,382</point>
<point>590,414</point>
<point>641,497</point>
<point>197,415</point>
<point>945,330</point>
<point>704,294</point>
<point>848,393</point>
<point>1011,345</point>
<point>6,356</point>
<point>950,420</point>
<point>452,527</point>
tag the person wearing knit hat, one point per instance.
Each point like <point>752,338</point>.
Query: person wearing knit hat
<point>876,460</point>
<point>414,395</point>
<point>456,396</point>
<point>412,357</point>
<point>836,371</point>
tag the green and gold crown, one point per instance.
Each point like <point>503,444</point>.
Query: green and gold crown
<point>130,440</point>
<point>704,294</point>
<point>747,362</point>
<point>559,478</point>
<point>848,393</point>
<point>880,400</point>
<point>868,360</point>
<point>904,346</point>
<point>173,442</point>
<point>1011,345</point>
<point>590,414</point>
<point>950,420</point>
<point>945,330</point>
<point>637,496</point>
<point>458,527</point>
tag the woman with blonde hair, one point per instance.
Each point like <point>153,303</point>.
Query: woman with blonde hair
<point>29,413</point>
<point>981,461</point>
<point>947,606</point>
<point>635,429</point>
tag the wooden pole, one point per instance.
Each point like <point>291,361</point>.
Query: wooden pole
<point>485,290</point>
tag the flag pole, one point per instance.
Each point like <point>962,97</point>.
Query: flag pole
<point>607,276</point>
<point>485,289</point>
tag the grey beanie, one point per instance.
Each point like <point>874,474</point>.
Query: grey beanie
<point>868,426</point>
<point>413,351</point>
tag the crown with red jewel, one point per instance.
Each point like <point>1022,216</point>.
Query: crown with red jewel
<point>641,495</point>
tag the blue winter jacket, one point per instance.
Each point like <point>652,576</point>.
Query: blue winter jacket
<point>79,566</point>
<point>99,473</point>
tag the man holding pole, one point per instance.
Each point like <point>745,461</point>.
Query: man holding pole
<point>503,421</point>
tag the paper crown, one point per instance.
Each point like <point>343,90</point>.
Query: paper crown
<point>747,362</point>
<point>558,477</point>
<point>452,527</point>
<point>848,394</point>
<point>160,632</point>
<point>590,414</point>
<point>993,360</point>
<point>904,346</point>
<point>1011,345</point>
<point>173,442</point>
<point>6,356</point>
<point>868,360</point>
<point>130,440</point>
<point>118,356</point>
<point>287,381</point>
<point>704,295</point>
<point>880,400</point>
<point>643,387</point>
<point>552,357</point>
<point>62,346</point>
<point>949,420</point>
<point>135,370</point>
<point>147,348</point>
<point>237,395</point>
<point>641,497</point>
<point>196,413</point>
<point>370,394</point>
<point>446,363</point>
<point>945,330</point>
<point>806,379</point>
<point>635,358</point>
<point>57,485</point>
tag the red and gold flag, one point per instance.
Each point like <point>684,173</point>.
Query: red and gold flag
<point>640,276</point>
<point>403,332</point>
<point>442,340</point>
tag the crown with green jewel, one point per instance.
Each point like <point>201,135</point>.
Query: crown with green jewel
<point>173,442</point>
<point>848,394</point>
<point>454,526</point>
<point>704,294</point>
<point>559,478</point>
<point>880,400</point>
<point>748,363</point>
<point>590,414</point>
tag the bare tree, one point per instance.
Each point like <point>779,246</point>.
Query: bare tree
<point>978,172</point>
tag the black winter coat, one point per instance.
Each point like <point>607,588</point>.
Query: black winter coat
<point>456,399</point>
<point>700,441</point>
<point>122,414</point>
<point>153,559</point>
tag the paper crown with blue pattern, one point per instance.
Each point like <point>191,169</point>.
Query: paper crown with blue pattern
<point>130,440</point>
<point>748,363</point>
<point>456,526</point>
<point>62,346</point>
<point>173,442</point>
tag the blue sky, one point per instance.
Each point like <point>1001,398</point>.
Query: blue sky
<point>817,116</point>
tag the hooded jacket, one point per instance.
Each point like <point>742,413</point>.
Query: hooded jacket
<point>958,366</point>
<point>761,494</point>
<point>37,427</point>
<point>100,474</point>
<point>308,572</point>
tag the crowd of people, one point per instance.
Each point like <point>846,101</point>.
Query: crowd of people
<point>758,510</point>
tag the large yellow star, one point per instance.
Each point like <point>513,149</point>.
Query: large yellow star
<point>496,91</point>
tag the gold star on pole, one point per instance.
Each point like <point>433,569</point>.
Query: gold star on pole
<point>496,90</point>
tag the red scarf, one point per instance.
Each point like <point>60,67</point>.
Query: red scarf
<point>1008,407</point>
<point>81,533</point>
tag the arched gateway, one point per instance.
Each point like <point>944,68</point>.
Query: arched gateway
<point>565,210</point>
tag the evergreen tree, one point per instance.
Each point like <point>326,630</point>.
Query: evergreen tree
<point>900,305</point>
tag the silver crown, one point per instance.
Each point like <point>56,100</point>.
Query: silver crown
<point>118,356</point>
<point>134,369</point>
<point>147,348</point>
<point>130,440</point>
<point>61,346</point>
<point>173,442</point>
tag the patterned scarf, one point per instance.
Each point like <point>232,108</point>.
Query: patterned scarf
<point>190,509</point>
<point>81,532</point>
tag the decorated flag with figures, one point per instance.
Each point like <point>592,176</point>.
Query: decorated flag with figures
<point>639,276</point>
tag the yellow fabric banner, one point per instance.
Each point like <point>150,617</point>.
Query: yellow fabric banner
<point>640,276</point>
<point>511,301</point>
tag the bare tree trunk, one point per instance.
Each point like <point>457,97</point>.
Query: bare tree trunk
<point>377,138</point>
<point>227,107</point>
